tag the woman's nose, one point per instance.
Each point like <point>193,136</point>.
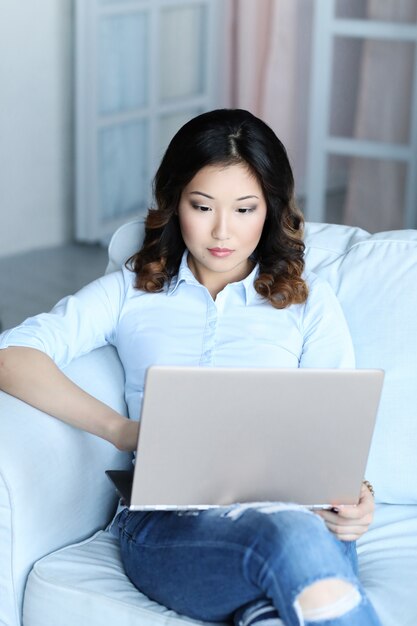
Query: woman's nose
<point>221,228</point>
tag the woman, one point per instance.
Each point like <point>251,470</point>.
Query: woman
<point>219,281</point>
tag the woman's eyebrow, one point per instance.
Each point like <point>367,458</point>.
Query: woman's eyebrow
<point>200,193</point>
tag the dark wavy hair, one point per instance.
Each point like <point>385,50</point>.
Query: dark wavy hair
<point>227,137</point>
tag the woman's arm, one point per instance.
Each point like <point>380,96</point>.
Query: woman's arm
<point>326,338</point>
<point>32,376</point>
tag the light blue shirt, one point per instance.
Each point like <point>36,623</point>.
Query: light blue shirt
<point>183,325</point>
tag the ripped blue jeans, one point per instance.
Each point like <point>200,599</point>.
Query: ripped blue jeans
<point>212,565</point>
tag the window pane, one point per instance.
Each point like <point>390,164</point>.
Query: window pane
<point>123,59</point>
<point>347,58</point>
<point>369,193</point>
<point>364,103</point>
<point>182,43</point>
<point>386,10</point>
<point>353,9</point>
<point>122,169</point>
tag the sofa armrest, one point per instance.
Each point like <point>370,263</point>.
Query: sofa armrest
<point>53,490</point>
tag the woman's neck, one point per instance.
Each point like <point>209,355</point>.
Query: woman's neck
<point>215,282</point>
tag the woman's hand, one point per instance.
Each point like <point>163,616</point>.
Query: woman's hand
<point>125,434</point>
<point>352,520</point>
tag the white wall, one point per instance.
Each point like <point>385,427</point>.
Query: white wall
<point>36,176</point>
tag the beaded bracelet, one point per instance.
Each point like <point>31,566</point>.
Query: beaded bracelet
<point>371,489</point>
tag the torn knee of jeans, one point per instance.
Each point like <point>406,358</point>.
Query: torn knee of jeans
<point>326,599</point>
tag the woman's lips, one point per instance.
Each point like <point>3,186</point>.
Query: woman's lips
<point>220,252</point>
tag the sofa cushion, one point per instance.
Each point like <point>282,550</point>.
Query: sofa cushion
<point>85,584</point>
<point>388,563</point>
<point>375,278</point>
<point>126,241</point>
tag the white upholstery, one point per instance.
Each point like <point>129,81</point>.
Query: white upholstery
<point>388,563</point>
<point>53,492</point>
<point>375,278</point>
<point>73,573</point>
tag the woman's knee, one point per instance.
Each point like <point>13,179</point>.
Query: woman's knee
<point>278,541</point>
<point>326,599</point>
<point>271,528</point>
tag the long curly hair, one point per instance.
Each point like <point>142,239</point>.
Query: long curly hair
<point>227,137</point>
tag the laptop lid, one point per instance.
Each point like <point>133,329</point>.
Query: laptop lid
<point>216,436</point>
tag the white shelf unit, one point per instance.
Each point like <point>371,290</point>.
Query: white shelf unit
<point>320,143</point>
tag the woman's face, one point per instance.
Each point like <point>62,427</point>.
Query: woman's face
<point>221,213</point>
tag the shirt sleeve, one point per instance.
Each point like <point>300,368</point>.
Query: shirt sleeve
<point>77,324</point>
<point>327,342</point>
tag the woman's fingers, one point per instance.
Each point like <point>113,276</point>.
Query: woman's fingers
<point>349,522</point>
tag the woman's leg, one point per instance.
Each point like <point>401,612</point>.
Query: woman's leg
<point>208,564</point>
<point>263,613</point>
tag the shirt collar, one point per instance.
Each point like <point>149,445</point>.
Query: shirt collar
<point>186,275</point>
<point>248,284</point>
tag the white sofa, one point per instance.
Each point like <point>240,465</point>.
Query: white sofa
<point>58,567</point>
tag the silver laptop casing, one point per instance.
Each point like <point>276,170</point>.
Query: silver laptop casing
<point>216,436</point>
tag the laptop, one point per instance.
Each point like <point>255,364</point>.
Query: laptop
<point>213,437</point>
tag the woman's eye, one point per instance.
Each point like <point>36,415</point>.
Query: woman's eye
<point>201,207</point>
<point>246,209</point>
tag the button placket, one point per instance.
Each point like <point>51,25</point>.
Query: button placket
<point>207,355</point>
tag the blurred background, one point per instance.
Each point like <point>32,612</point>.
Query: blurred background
<point>92,91</point>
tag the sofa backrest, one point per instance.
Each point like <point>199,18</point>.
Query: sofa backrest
<point>375,279</point>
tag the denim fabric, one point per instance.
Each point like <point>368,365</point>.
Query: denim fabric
<point>209,564</point>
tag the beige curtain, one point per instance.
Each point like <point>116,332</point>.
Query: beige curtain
<point>375,193</point>
<point>264,77</point>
